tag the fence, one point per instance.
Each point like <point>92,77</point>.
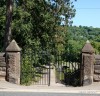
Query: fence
<point>35,67</point>
<point>71,68</point>
<point>68,68</point>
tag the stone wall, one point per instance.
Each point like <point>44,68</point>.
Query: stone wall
<point>96,77</point>
<point>2,66</point>
<point>10,63</point>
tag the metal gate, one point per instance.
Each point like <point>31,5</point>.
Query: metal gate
<point>67,68</point>
<point>35,68</point>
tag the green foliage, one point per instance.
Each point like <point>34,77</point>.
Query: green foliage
<point>26,70</point>
<point>34,61</point>
<point>36,20</point>
<point>96,46</point>
<point>77,36</point>
<point>2,22</point>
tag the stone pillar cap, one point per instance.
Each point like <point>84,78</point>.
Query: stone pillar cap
<point>88,48</point>
<point>13,47</point>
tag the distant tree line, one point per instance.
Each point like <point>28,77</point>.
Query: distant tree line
<point>77,36</point>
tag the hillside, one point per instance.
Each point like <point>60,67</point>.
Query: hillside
<point>79,35</point>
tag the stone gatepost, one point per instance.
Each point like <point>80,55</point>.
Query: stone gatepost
<point>13,63</point>
<point>87,66</point>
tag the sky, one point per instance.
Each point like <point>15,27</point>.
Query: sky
<point>87,13</point>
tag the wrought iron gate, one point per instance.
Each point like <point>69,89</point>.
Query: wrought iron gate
<point>35,67</point>
<point>67,68</point>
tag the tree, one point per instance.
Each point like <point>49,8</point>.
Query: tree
<point>9,11</point>
<point>2,22</point>
<point>35,20</point>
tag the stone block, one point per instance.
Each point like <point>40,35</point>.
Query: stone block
<point>96,77</point>
<point>96,67</point>
<point>3,74</point>
<point>97,62</point>
<point>4,69</point>
<point>97,57</point>
<point>96,71</point>
<point>2,54</point>
<point>2,59</point>
<point>2,64</point>
<point>87,80</point>
<point>12,80</point>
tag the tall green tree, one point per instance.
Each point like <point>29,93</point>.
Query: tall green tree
<point>38,20</point>
<point>34,20</point>
<point>9,12</point>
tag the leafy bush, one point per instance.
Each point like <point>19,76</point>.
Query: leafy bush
<point>26,70</point>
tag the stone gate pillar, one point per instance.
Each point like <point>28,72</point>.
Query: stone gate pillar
<point>87,66</point>
<point>13,63</point>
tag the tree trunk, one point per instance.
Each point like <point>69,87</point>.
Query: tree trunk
<point>7,36</point>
